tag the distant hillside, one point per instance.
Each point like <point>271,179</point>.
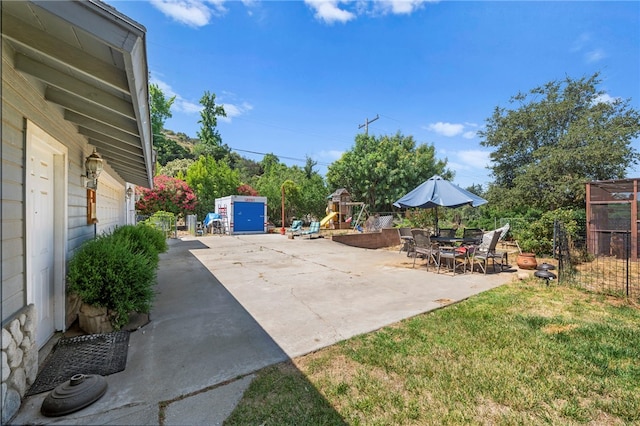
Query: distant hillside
<point>181,139</point>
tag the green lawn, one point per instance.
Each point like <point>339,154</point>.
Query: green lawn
<point>523,353</point>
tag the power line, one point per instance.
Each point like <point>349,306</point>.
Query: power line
<point>280,156</point>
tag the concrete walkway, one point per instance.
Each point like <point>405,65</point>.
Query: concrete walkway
<point>228,306</point>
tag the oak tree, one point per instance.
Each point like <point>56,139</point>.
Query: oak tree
<point>555,138</point>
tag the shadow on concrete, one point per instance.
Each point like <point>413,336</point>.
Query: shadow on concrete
<point>190,364</point>
<point>226,345</point>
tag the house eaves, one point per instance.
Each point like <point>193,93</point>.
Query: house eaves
<point>92,62</point>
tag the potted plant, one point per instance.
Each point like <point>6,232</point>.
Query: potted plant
<point>114,275</point>
<point>526,259</point>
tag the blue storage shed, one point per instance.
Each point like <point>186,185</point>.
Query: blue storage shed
<point>243,214</point>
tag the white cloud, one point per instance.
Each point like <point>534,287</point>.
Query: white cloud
<point>187,107</point>
<point>182,105</point>
<point>166,88</point>
<point>195,13</point>
<point>475,159</point>
<point>233,110</point>
<point>580,43</point>
<point>329,11</point>
<point>446,129</point>
<point>605,98</point>
<point>466,130</point>
<point>595,55</point>
<point>470,167</point>
<point>179,104</point>
<point>198,13</point>
<point>584,45</point>
<point>399,7</point>
<point>330,155</point>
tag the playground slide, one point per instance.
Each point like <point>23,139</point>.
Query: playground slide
<point>327,218</point>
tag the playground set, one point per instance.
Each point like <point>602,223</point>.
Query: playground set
<point>340,210</point>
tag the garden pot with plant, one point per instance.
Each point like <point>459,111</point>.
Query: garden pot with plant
<point>114,275</point>
<point>526,260</point>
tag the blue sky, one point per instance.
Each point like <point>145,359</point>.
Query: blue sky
<point>298,78</point>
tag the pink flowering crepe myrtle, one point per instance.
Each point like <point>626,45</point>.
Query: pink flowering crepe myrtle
<point>168,194</point>
<point>246,189</point>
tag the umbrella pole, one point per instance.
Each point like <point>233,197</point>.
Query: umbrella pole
<point>436,221</point>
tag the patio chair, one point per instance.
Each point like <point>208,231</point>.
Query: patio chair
<point>424,247</point>
<point>473,233</point>
<point>406,240</point>
<point>454,257</point>
<point>296,227</point>
<point>314,228</point>
<point>502,255</point>
<point>447,232</point>
<point>485,251</point>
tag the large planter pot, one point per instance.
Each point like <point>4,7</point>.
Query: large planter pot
<point>526,261</point>
<point>94,320</point>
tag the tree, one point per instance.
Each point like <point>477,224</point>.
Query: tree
<point>246,168</point>
<point>559,136</point>
<point>380,170</point>
<point>211,179</point>
<point>308,167</point>
<point>176,168</point>
<point>304,196</point>
<point>210,140</point>
<point>160,106</point>
<point>168,194</point>
<point>168,150</point>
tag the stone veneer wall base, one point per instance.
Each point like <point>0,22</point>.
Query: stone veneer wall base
<point>19,360</point>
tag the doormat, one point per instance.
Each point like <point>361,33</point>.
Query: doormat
<point>101,354</point>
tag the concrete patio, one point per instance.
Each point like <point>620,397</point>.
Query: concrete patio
<point>228,306</point>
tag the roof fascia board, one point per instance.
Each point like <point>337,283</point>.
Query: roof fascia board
<point>137,73</point>
<point>95,18</point>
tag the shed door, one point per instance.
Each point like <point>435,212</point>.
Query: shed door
<point>248,217</point>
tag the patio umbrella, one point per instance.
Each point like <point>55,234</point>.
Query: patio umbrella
<point>438,192</point>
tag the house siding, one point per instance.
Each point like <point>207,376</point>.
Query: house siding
<point>111,203</point>
<point>13,289</point>
<point>22,99</point>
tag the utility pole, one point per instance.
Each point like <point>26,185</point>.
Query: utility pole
<point>366,124</point>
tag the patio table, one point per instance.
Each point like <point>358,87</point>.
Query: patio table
<point>449,244</point>
<point>453,240</point>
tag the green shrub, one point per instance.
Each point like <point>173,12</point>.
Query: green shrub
<point>164,221</point>
<point>111,272</point>
<point>144,238</point>
<point>537,235</point>
<point>419,218</point>
<point>154,235</point>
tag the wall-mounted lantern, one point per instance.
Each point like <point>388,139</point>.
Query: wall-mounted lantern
<point>93,168</point>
